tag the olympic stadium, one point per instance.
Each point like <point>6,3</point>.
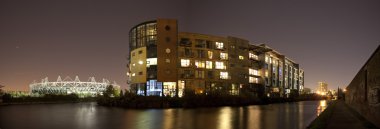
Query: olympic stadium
<point>69,86</point>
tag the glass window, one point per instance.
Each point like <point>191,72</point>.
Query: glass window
<point>210,74</point>
<point>200,43</point>
<point>253,72</point>
<point>200,64</point>
<point>223,56</point>
<point>241,57</point>
<point>185,62</point>
<point>209,54</point>
<point>253,80</point>
<point>223,75</point>
<point>270,60</point>
<point>220,65</point>
<point>253,56</point>
<point>151,61</point>
<point>199,74</point>
<point>187,52</point>
<point>234,89</point>
<point>209,44</point>
<point>201,54</point>
<point>181,87</point>
<point>219,45</point>
<point>151,31</point>
<point>208,64</point>
<point>169,89</point>
<point>185,42</point>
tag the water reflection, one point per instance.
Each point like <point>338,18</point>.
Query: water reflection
<point>90,116</point>
<point>169,119</point>
<point>322,106</point>
<point>225,118</point>
<point>85,116</point>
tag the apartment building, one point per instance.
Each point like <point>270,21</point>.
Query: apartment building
<point>165,62</point>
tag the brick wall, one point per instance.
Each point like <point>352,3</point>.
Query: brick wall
<point>363,93</point>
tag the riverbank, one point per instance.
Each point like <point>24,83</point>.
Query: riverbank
<point>193,101</point>
<point>339,115</point>
<point>129,100</point>
<point>47,99</point>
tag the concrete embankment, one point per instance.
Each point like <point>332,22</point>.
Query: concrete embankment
<point>339,115</point>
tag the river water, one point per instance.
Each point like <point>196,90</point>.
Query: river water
<point>295,115</point>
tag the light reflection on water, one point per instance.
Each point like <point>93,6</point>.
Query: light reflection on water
<point>90,116</point>
<point>322,106</point>
<point>225,118</point>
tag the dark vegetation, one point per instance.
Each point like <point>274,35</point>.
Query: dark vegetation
<point>115,97</point>
<point>191,100</point>
<point>48,98</point>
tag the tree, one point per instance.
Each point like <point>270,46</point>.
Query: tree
<point>1,90</point>
<point>110,91</point>
<point>306,91</point>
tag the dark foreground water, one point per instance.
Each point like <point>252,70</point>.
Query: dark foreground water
<point>90,116</point>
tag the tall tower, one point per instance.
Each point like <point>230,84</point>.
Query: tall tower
<point>153,57</point>
<point>322,88</point>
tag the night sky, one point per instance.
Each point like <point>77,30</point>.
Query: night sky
<point>330,39</point>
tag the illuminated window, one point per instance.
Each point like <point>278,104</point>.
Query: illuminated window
<point>219,45</point>
<point>141,62</point>
<point>185,62</point>
<point>270,60</point>
<point>253,80</point>
<point>266,59</point>
<point>200,64</point>
<point>253,56</point>
<point>133,74</point>
<point>266,74</point>
<point>151,61</point>
<point>209,54</point>
<point>241,57</point>
<point>219,65</point>
<point>169,89</point>
<point>234,89</point>
<point>253,72</point>
<point>181,87</point>
<point>133,64</point>
<point>223,56</point>
<point>208,64</point>
<point>223,75</point>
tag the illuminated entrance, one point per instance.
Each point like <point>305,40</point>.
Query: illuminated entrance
<point>169,89</point>
<point>153,88</point>
<point>181,87</point>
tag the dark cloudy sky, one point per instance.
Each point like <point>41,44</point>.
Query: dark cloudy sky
<point>330,40</point>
